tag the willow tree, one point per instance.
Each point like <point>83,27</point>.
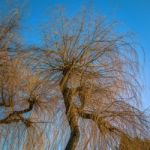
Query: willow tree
<point>24,94</point>
<point>95,68</point>
<point>83,63</point>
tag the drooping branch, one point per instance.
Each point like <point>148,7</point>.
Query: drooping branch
<point>16,116</point>
<point>103,125</point>
<point>6,28</point>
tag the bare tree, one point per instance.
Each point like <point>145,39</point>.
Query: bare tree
<point>96,70</point>
<point>24,95</point>
<point>83,64</point>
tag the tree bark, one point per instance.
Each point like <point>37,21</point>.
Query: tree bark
<point>72,115</point>
<point>73,118</point>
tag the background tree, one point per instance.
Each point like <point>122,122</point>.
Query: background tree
<point>24,95</point>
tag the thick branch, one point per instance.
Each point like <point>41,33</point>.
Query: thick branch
<point>15,116</point>
<point>103,125</point>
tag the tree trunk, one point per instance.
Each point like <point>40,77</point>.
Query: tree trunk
<point>75,132</point>
<point>72,116</point>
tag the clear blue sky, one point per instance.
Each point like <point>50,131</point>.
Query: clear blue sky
<point>133,15</point>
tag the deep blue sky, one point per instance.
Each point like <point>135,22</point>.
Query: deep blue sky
<point>133,15</point>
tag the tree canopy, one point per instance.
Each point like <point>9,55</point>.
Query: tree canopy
<point>84,74</point>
